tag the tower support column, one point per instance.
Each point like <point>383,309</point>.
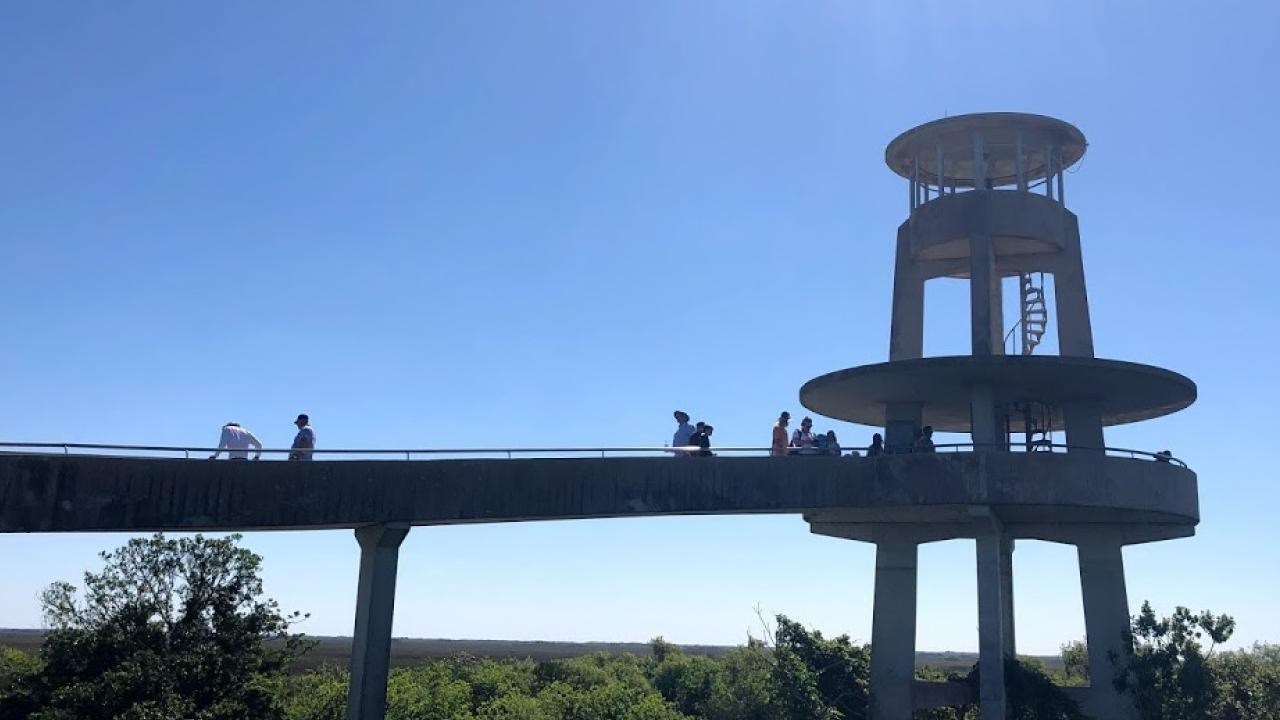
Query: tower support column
<point>1006,598</point>
<point>1075,332</point>
<point>375,607</point>
<point>1106,622</point>
<point>1083,424</point>
<point>906,331</point>
<point>893,629</point>
<point>991,614</point>
<point>984,292</point>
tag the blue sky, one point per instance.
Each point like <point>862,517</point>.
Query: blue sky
<point>542,224</point>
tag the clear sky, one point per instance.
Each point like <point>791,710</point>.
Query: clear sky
<point>552,223</point>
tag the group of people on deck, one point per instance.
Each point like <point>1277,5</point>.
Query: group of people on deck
<point>804,441</point>
<point>698,436</point>
<point>695,439</point>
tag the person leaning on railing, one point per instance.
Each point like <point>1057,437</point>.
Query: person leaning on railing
<point>236,441</point>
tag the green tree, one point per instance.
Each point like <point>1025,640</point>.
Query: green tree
<point>747,691</point>
<point>428,692</point>
<point>1169,673</point>
<point>1248,683</point>
<point>317,695</point>
<point>817,678</point>
<point>169,628</point>
<point>1075,663</point>
<point>1031,693</point>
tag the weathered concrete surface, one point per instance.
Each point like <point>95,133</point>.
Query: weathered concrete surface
<point>66,494</point>
<point>1025,231</point>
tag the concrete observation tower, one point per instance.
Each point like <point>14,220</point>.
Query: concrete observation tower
<point>987,203</point>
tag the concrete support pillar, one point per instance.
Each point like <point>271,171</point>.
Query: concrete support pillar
<point>1106,622</point>
<point>991,618</point>
<point>1083,425</point>
<point>997,313</point>
<point>906,332</point>
<point>982,276</point>
<point>984,430</point>
<point>901,421</point>
<point>893,629</point>
<point>375,606</point>
<point>1006,598</point>
<point>1075,333</point>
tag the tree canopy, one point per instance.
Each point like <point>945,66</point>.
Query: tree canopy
<point>168,628</point>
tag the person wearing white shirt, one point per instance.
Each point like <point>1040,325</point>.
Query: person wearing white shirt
<point>802,439</point>
<point>237,441</point>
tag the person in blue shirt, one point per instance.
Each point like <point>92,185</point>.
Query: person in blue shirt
<point>684,431</point>
<point>304,443</point>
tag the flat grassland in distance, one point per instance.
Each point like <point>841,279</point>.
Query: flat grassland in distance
<point>411,651</point>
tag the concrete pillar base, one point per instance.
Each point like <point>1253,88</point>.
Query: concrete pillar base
<point>991,544</point>
<point>893,631</point>
<point>1106,621</point>
<point>375,606</point>
<point>1006,598</point>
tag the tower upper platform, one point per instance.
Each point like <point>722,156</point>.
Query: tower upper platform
<point>942,389</point>
<point>943,152</point>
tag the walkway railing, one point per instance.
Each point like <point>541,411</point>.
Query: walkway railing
<point>201,453</point>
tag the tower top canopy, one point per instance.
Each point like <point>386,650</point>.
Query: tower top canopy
<point>1044,142</point>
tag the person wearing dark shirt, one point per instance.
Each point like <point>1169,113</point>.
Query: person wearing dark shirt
<point>924,441</point>
<point>832,445</point>
<point>702,439</point>
<point>877,446</point>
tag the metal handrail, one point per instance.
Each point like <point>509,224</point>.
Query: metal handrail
<point>408,453</point>
<point>1160,456</point>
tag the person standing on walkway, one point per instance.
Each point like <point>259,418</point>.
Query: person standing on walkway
<point>237,441</point>
<point>779,446</point>
<point>684,431</point>
<point>924,443</point>
<point>877,445</point>
<point>702,439</point>
<point>304,443</point>
<point>833,445</point>
<point>802,439</point>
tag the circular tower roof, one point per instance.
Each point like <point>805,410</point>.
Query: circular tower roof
<point>954,136</point>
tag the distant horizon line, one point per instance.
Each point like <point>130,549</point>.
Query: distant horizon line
<point>637,643</point>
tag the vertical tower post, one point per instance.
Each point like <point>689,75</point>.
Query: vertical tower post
<point>1075,332</point>
<point>1106,621</point>
<point>983,291</point>
<point>375,607</point>
<point>1006,598</point>
<point>893,629</point>
<point>906,332</point>
<point>991,616</point>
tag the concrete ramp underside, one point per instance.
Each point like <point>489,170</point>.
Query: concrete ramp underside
<point>70,493</point>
